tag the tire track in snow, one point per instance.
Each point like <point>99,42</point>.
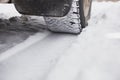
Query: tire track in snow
<point>30,41</point>
<point>35,62</point>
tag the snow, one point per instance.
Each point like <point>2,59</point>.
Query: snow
<point>31,40</point>
<point>113,35</point>
<point>92,55</point>
<point>8,10</point>
<point>35,63</point>
<point>12,29</point>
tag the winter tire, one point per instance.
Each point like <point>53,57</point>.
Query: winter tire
<point>85,10</point>
<point>74,21</point>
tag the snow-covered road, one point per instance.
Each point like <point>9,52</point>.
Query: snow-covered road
<point>92,55</point>
<point>37,60</point>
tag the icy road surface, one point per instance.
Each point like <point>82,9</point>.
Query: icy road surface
<point>92,55</point>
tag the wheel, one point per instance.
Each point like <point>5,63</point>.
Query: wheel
<point>85,11</point>
<point>73,22</point>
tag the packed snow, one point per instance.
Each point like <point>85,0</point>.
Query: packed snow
<point>92,55</point>
<point>95,54</point>
<point>13,30</point>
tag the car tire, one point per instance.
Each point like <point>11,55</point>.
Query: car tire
<point>85,15</point>
<point>65,24</point>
